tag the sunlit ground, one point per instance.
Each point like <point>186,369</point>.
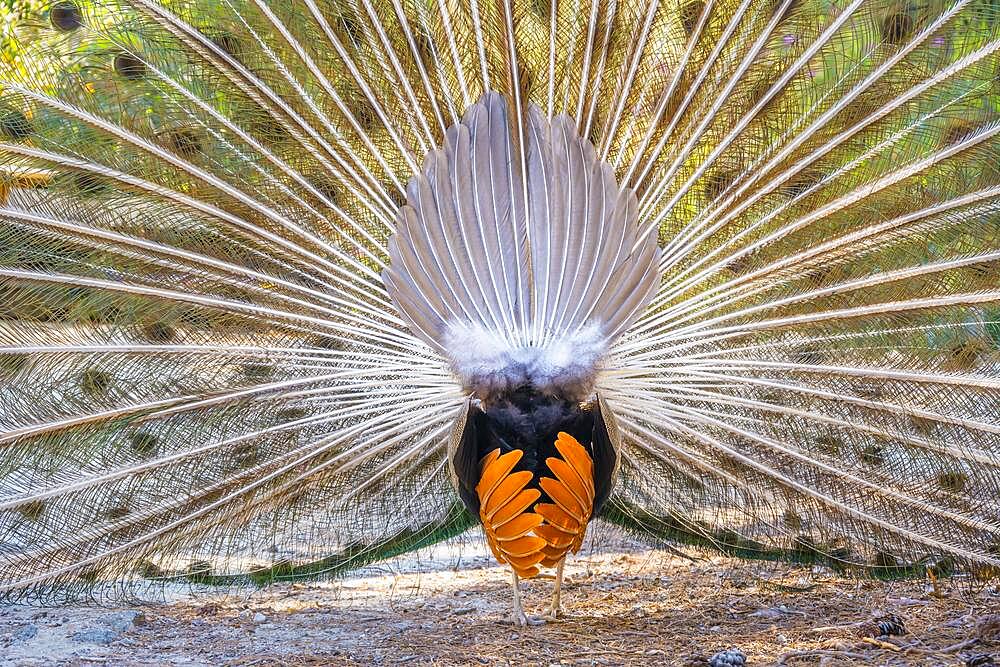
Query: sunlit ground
<point>626,607</point>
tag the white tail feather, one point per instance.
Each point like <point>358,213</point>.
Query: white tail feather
<point>590,275</point>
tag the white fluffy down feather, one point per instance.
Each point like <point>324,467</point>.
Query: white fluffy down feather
<point>487,363</point>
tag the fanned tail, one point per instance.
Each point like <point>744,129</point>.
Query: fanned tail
<point>203,375</point>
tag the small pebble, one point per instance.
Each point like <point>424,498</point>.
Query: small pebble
<point>728,658</point>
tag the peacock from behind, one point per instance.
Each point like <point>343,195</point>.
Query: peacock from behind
<point>288,288</point>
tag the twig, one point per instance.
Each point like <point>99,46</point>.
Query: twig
<point>881,644</point>
<point>589,652</point>
<point>812,653</point>
<point>960,645</point>
<point>935,587</point>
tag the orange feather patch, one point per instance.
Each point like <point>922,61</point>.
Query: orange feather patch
<point>503,505</point>
<point>572,494</point>
<point>528,539</point>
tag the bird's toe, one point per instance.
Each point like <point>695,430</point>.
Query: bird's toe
<point>519,619</point>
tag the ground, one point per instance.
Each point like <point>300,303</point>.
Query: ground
<point>636,607</point>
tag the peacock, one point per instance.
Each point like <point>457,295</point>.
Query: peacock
<point>288,288</point>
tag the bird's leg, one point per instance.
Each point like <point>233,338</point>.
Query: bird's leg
<point>556,609</point>
<point>518,616</point>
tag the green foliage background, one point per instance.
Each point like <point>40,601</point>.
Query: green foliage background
<point>11,12</point>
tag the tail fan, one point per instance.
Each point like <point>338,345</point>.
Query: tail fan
<point>203,375</point>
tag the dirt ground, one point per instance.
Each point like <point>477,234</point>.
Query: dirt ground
<point>625,608</point>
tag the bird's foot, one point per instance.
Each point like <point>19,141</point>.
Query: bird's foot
<point>519,619</point>
<point>555,608</point>
<point>518,616</point>
<point>555,613</point>
<point>522,620</point>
